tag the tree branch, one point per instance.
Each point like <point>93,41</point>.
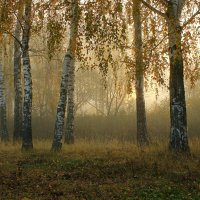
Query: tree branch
<point>18,20</point>
<point>9,33</point>
<point>96,108</point>
<point>190,19</point>
<point>153,9</point>
<point>161,41</point>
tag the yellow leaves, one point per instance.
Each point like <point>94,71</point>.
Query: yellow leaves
<point>118,6</point>
<point>6,15</point>
<point>56,31</point>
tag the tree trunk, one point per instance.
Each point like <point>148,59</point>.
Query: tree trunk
<point>178,132</point>
<point>142,134</point>
<point>69,134</point>
<point>27,107</point>
<point>58,131</point>
<point>3,119</point>
<point>67,85</point>
<point>17,134</point>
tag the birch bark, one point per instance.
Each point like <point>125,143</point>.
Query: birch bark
<point>142,133</point>
<point>27,107</point>
<point>67,86</point>
<point>178,115</point>
<point>69,133</point>
<point>18,105</point>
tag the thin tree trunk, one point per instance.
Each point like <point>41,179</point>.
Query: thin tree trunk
<point>3,116</point>
<point>67,85</point>
<point>17,134</point>
<point>27,107</point>
<point>142,133</point>
<point>69,134</point>
<point>178,132</point>
<point>58,131</point>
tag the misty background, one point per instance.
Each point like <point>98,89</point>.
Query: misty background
<point>104,106</point>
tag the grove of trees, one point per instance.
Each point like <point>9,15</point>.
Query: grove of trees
<point>111,52</point>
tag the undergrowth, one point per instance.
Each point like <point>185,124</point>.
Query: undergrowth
<point>97,170</point>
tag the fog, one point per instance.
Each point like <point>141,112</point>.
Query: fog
<point>104,106</point>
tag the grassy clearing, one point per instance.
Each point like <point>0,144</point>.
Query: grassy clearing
<point>95,170</point>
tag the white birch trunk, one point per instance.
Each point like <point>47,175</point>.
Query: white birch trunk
<point>178,116</point>
<point>58,131</point>
<point>69,134</point>
<point>27,107</point>
<point>18,105</point>
<point>67,84</point>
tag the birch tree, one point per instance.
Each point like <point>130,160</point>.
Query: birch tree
<point>4,26</point>
<point>178,116</point>
<point>67,85</point>
<point>27,106</point>
<point>92,17</point>
<point>142,133</point>
<point>18,105</point>
<point>178,133</point>
<point>69,134</point>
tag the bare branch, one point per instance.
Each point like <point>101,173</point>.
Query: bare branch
<point>160,42</point>
<point>96,108</point>
<point>18,20</point>
<point>153,9</point>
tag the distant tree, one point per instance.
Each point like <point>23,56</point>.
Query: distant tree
<point>102,42</point>
<point>5,25</point>
<point>3,116</point>
<point>113,90</point>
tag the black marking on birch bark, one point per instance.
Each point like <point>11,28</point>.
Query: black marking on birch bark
<point>69,55</point>
<point>178,115</point>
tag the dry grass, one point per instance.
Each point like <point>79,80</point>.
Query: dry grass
<point>98,170</point>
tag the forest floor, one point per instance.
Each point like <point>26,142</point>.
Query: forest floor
<point>95,170</point>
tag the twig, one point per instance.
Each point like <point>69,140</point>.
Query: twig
<point>190,19</point>
<point>153,9</point>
